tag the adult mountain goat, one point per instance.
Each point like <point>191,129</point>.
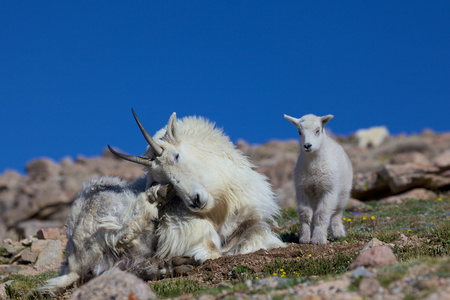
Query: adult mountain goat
<point>222,204</point>
<point>200,198</point>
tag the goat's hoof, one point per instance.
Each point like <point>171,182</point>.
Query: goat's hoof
<point>181,260</point>
<point>183,270</point>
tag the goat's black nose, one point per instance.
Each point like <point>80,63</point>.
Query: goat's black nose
<point>197,202</point>
<point>308,146</point>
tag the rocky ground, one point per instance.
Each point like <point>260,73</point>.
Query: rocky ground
<point>403,167</point>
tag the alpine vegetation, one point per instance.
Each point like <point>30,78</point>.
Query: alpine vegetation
<point>323,181</point>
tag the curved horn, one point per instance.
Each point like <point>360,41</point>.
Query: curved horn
<point>155,147</point>
<point>135,159</point>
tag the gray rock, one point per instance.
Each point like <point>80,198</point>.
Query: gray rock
<point>13,247</point>
<point>51,253</point>
<point>28,256</point>
<point>17,270</point>
<point>409,157</point>
<point>403,177</point>
<point>39,245</point>
<point>361,272</point>
<point>443,161</point>
<point>41,169</point>
<point>118,286</point>
<point>417,193</point>
<point>31,227</point>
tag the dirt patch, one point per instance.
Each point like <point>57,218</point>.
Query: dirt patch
<point>218,270</point>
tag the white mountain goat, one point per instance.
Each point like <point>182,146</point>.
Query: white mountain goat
<point>222,204</point>
<point>371,137</point>
<point>112,225</point>
<point>323,181</point>
<point>200,199</point>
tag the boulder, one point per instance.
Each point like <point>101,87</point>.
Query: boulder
<point>41,169</point>
<point>118,286</point>
<point>417,193</point>
<point>51,253</point>
<point>409,157</point>
<point>443,161</point>
<point>403,177</point>
<point>375,257</point>
<point>31,227</point>
<point>48,233</point>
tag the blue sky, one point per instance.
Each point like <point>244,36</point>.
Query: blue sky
<point>71,70</point>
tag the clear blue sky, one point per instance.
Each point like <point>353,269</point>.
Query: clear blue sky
<point>71,70</point>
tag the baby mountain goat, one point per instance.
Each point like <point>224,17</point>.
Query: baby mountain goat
<point>323,181</point>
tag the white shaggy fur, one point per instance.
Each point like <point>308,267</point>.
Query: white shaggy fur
<point>226,202</point>
<point>221,208</point>
<point>371,137</point>
<point>323,180</point>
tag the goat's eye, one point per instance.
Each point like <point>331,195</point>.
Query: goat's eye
<point>177,156</point>
<point>317,131</point>
<point>299,133</point>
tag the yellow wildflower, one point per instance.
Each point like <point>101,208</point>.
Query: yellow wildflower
<point>372,217</point>
<point>364,218</point>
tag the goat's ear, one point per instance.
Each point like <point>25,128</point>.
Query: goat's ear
<point>326,119</point>
<point>172,128</point>
<point>292,120</point>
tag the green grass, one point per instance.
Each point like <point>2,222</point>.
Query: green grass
<point>177,287</point>
<point>385,221</point>
<point>3,251</point>
<point>309,267</point>
<point>3,258</point>
<point>22,287</point>
<point>286,216</point>
<point>241,273</point>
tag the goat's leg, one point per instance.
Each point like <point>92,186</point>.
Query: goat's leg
<point>305,215</point>
<point>190,236</point>
<point>250,236</point>
<point>321,219</point>
<point>336,226</point>
<point>162,268</point>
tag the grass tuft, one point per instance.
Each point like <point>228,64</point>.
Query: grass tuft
<point>177,287</point>
<point>310,267</point>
